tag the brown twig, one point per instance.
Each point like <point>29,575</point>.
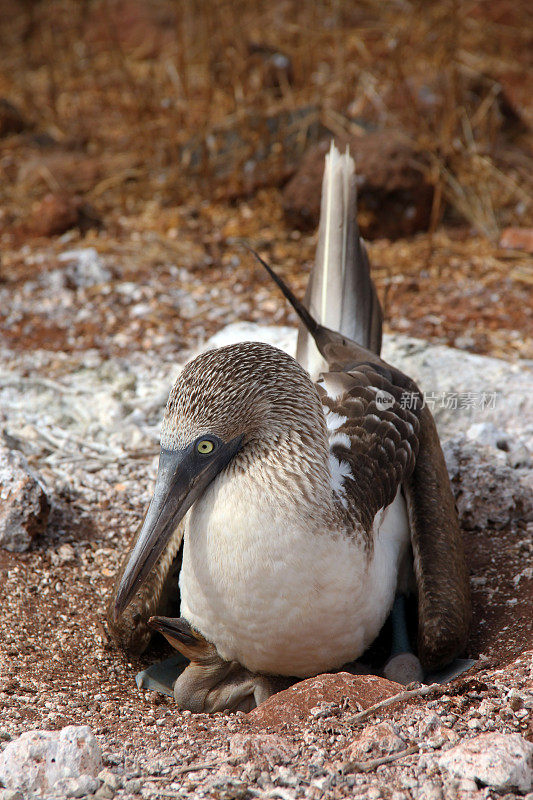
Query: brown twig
<point>368,766</point>
<point>407,694</point>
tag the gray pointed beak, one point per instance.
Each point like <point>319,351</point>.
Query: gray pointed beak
<point>182,477</point>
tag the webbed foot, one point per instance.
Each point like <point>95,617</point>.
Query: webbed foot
<point>404,666</point>
<point>162,676</point>
<point>209,683</point>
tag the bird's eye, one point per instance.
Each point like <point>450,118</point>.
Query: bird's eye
<point>205,446</point>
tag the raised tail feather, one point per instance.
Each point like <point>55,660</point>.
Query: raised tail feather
<point>340,294</point>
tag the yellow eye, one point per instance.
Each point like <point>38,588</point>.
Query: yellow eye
<point>205,446</point>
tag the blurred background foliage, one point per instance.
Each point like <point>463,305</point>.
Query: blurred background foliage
<point>148,86</point>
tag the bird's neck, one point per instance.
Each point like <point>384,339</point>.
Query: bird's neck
<point>286,479</point>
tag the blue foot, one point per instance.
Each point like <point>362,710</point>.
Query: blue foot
<point>403,666</point>
<point>453,670</point>
<point>162,677</point>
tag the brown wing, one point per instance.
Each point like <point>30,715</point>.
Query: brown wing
<point>439,558</point>
<point>400,446</point>
<point>382,431</point>
<point>131,631</point>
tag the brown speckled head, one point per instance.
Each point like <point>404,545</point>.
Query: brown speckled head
<point>248,388</point>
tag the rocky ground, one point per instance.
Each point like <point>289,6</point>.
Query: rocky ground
<point>88,426</point>
<point>139,142</point>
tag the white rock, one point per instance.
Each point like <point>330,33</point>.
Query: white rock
<point>24,506</point>
<point>463,389</point>
<point>429,791</point>
<point>487,493</point>
<point>84,267</point>
<point>75,787</point>
<point>497,760</point>
<point>38,761</point>
<point>277,335</point>
<point>376,741</point>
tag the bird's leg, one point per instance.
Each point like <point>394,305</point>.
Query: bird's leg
<point>209,683</point>
<point>403,665</point>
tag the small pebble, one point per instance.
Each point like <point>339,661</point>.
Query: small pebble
<point>515,700</point>
<point>110,779</point>
<point>105,792</point>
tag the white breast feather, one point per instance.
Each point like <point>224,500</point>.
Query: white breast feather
<point>278,595</point>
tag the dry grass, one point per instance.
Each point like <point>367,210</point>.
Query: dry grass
<point>123,77</point>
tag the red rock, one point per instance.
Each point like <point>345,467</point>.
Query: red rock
<point>394,198</point>
<point>517,239</point>
<point>295,704</point>
<point>55,214</point>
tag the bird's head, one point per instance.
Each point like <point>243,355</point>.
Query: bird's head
<point>245,399</point>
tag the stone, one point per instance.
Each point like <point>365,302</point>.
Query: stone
<point>259,149</point>
<point>393,196</point>
<point>110,779</point>
<point>265,750</point>
<point>429,790</point>
<point>54,214</point>
<point>487,493</point>
<point>294,704</point>
<point>24,506</point>
<point>84,268</point>
<point>497,760</point>
<point>133,786</point>
<point>105,792</point>
<point>515,700</point>
<point>76,787</point>
<point>38,761</point>
<point>404,668</point>
<point>466,785</point>
<point>376,741</point>
<point>463,389</point>
<point>517,239</point>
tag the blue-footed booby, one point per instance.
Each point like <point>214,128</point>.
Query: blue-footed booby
<point>296,497</point>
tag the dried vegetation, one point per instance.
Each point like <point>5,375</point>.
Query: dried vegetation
<point>183,121</point>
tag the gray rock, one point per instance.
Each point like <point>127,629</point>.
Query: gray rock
<point>487,491</point>
<point>38,761</point>
<point>110,779</point>
<point>497,760</point>
<point>24,506</point>
<point>83,268</point>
